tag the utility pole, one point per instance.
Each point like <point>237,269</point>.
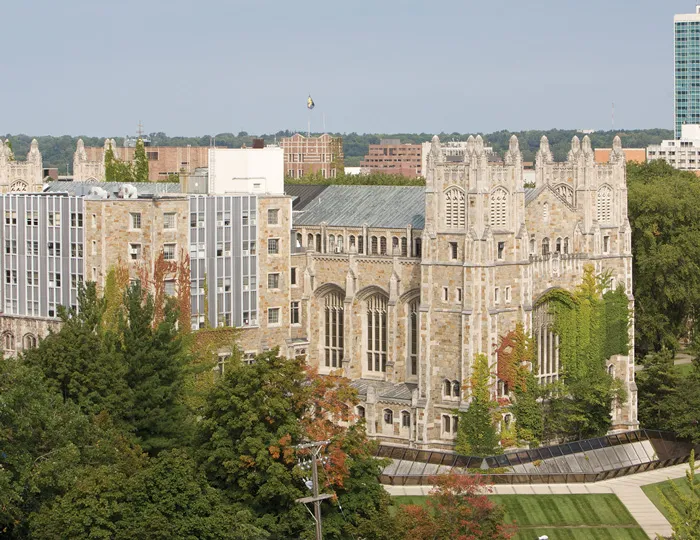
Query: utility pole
<point>316,498</point>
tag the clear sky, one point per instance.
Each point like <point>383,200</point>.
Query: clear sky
<point>188,67</point>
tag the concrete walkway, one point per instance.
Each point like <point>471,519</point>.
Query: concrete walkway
<point>627,488</point>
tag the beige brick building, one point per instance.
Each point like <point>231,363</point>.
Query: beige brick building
<point>392,157</point>
<point>163,161</point>
<point>309,155</point>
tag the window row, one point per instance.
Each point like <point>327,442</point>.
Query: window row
<point>455,208</point>
<point>377,245</point>
<point>8,342</point>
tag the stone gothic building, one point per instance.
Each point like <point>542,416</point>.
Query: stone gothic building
<point>401,287</point>
<point>20,175</point>
<point>398,287</point>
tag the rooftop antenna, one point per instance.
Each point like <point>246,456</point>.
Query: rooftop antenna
<point>139,131</point>
<point>613,116</point>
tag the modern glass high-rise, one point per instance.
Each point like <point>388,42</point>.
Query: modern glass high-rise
<point>687,63</point>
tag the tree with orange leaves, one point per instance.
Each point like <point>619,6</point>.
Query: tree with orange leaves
<point>253,421</point>
<point>457,508</point>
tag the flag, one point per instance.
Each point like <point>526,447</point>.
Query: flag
<point>310,103</point>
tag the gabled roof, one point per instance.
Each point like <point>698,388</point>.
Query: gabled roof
<point>386,391</point>
<point>303,194</point>
<point>386,207</point>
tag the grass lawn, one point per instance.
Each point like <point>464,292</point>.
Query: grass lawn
<point>684,369</point>
<point>565,517</point>
<point>652,491</point>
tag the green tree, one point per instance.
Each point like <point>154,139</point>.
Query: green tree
<point>657,387</point>
<point>155,361</point>
<point>116,170</point>
<point>477,433</point>
<point>246,438</point>
<point>160,498</point>
<point>80,360</point>
<point>665,220</point>
<point>685,405</point>
<point>684,512</point>
<point>140,167</point>
<point>254,418</point>
<point>46,442</point>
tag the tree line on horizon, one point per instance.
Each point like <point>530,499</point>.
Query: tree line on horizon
<point>57,151</point>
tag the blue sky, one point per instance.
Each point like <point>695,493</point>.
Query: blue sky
<point>198,67</point>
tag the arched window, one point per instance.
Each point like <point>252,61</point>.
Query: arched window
<point>447,388</point>
<point>382,245</point>
<point>507,420</point>
<point>405,419</point>
<point>404,247</point>
<point>375,246</point>
<point>545,212</point>
<point>566,245</point>
<point>376,333</point>
<point>565,192</point>
<point>455,389</point>
<point>545,247</point>
<point>331,243</point>
<point>454,208</point>
<point>604,204</point>
<point>339,243</point>
<point>8,341</point>
<point>558,245</point>
<point>611,370</point>
<point>418,248</point>
<point>413,338</point>
<point>360,411</point>
<point>352,244</point>
<point>319,243</point>
<point>18,185</point>
<point>446,424</point>
<point>388,417</point>
<point>29,341</point>
<point>533,244</point>
<point>547,344</point>
<point>298,237</point>
<point>310,241</point>
<point>333,328</point>
<point>498,208</point>
<point>360,244</point>
<point>394,245</point>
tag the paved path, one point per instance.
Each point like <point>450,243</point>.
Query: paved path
<point>627,488</point>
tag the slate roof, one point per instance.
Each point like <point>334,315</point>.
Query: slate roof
<point>82,189</point>
<point>303,193</point>
<point>386,391</point>
<point>387,207</point>
<point>532,193</point>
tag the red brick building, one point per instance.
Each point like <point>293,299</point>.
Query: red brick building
<point>392,157</point>
<point>308,155</point>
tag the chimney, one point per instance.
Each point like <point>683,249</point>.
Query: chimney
<point>258,143</point>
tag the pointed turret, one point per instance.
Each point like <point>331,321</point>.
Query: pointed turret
<point>34,156</point>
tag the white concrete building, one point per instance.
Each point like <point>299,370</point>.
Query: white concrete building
<point>683,153</point>
<point>246,170</point>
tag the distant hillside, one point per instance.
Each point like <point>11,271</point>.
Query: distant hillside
<point>58,151</point>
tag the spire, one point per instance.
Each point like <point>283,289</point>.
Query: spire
<point>513,155</point>
<point>436,149</point>
<point>544,154</point>
<point>617,155</point>
<point>34,155</point>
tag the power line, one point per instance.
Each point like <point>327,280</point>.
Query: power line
<point>312,484</point>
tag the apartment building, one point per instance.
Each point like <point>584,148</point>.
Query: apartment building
<point>682,153</point>
<point>392,157</point>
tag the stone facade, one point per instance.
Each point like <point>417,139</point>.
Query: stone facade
<point>20,175</point>
<point>400,288</point>
<point>308,155</point>
<point>488,251</point>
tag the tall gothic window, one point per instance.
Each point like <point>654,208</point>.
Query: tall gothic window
<point>454,208</point>
<point>333,319</point>
<point>376,333</point>
<point>361,244</point>
<point>382,245</point>
<point>375,248</point>
<point>604,204</point>
<point>547,345</point>
<point>498,208</point>
<point>404,247</point>
<point>413,338</point>
<point>545,247</point>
